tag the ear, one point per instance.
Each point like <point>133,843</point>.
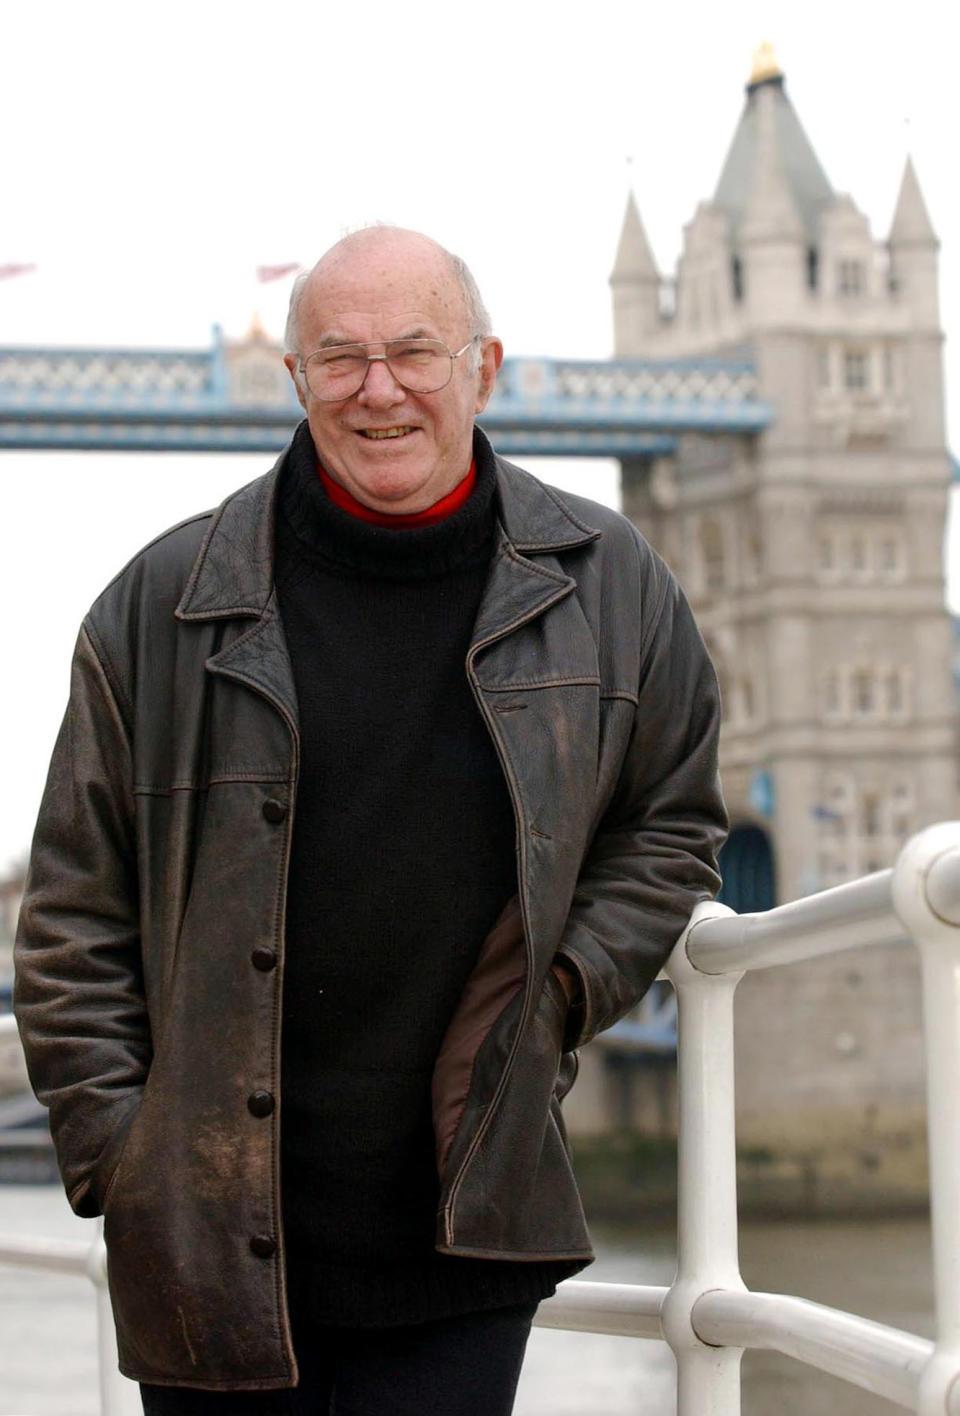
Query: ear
<point>291,362</point>
<point>490,360</point>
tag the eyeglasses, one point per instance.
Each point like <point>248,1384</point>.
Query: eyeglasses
<point>420,365</point>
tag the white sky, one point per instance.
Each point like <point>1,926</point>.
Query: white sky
<point>155,155</point>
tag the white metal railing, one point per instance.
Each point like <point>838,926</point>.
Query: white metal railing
<point>707,1315</point>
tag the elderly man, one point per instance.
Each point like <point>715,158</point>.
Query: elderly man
<point>380,790</point>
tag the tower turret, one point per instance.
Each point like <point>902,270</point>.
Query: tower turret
<point>913,253</point>
<point>635,287</point>
<point>772,243</point>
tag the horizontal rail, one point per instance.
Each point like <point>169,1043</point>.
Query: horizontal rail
<point>53,1255</point>
<point>881,1359</point>
<point>846,917</point>
<point>621,1309</point>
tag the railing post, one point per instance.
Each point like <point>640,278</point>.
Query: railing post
<point>926,896</point>
<point>708,1378</point>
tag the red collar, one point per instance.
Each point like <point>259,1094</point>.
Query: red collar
<point>440,510</point>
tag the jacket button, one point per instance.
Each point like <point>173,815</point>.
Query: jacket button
<point>263,1245</point>
<point>261,1103</point>
<point>274,810</point>
<point>264,958</point>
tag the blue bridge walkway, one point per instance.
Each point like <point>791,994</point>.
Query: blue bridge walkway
<point>238,398</point>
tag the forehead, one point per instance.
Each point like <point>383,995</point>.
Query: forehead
<point>378,288</point>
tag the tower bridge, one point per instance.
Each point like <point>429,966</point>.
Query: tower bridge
<point>237,397</point>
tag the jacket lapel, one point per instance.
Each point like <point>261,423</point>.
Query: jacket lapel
<point>534,522</point>
<point>534,670</point>
<point>232,578</point>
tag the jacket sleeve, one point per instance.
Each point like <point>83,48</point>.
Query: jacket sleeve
<point>653,855</point>
<point>79,995</point>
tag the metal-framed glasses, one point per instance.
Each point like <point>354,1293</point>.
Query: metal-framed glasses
<point>420,365</point>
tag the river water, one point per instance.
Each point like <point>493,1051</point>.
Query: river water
<point>879,1269</point>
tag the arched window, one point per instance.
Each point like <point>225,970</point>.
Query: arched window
<point>746,865</point>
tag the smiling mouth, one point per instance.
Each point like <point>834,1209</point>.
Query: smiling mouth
<point>378,434</point>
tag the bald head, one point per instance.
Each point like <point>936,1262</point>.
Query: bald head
<point>388,246</point>
<point>396,446</point>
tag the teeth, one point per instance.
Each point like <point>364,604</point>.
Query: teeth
<point>385,432</point>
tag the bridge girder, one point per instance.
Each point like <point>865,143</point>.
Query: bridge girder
<point>238,399</point>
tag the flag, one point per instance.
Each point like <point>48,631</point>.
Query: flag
<point>6,271</point>
<point>266,273</point>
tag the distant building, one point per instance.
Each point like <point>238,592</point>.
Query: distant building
<point>813,557</point>
<point>813,554</point>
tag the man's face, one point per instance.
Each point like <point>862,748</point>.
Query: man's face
<point>378,287</point>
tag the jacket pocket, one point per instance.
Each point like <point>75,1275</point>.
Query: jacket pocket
<point>121,1149</point>
<point>493,985</point>
<point>513,1193</point>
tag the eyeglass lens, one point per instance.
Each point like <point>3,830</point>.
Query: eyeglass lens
<point>420,365</point>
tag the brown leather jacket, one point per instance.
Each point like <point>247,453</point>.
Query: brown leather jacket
<point>150,949</point>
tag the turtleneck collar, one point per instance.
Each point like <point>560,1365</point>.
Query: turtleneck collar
<point>342,541</point>
<point>399,521</point>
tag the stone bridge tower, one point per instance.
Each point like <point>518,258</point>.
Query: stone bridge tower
<point>812,554</point>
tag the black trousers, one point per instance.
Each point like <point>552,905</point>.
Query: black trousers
<point>463,1366</point>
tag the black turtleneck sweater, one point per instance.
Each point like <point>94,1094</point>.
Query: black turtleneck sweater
<point>403,856</point>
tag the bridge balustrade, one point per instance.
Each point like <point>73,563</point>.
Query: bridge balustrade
<point>238,398</point>
<point>707,1315</point>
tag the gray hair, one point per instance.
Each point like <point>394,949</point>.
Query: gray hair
<point>291,340</point>
<point>478,317</point>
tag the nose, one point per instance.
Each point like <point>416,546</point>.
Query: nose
<point>379,387</point>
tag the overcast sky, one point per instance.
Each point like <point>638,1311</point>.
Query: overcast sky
<point>155,155</point>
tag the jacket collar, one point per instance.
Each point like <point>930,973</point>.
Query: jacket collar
<point>233,573</point>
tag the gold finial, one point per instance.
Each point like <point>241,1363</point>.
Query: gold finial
<point>765,65</point>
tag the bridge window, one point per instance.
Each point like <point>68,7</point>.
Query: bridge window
<point>856,370</point>
<point>870,814</point>
<point>863,691</point>
<point>711,548</point>
<point>901,813</point>
<point>851,279</point>
<point>894,692</point>
<point>813,267</point>
<point>891,557</point>
<point>736,277</point>
<point>831,695</point>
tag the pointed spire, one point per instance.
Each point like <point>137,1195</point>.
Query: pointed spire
<point>765,67</point>
<point>771,213</point>
<point>911,224</point>
<point>634,259</point>
<point>768,106</point>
